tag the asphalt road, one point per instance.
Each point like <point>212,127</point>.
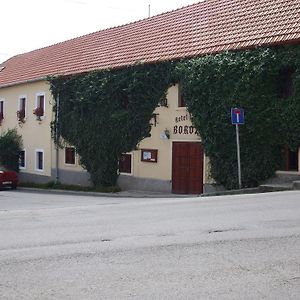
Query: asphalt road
<point>80,247</point>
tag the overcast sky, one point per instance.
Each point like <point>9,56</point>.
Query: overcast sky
<point>31,24</point>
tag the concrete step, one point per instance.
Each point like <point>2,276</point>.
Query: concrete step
<point>283,181</point>
<point>275,187</point>
<point>283,178</point>
<point>296,185</point>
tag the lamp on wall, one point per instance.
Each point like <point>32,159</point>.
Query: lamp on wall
<point>165,135</point>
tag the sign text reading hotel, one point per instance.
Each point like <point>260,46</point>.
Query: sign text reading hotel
<point>184,129</point>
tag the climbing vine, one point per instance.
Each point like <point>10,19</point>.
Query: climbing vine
<point>254,80</point>
<point>106,113</point>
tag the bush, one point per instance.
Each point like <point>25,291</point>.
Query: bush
<point>10,147</point>
<point>52,185</point>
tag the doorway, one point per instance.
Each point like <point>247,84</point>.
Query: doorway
<point>187,168</point>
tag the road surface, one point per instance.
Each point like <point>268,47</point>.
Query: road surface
<point>81,247</point>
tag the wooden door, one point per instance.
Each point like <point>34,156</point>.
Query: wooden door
<point>187,168</point>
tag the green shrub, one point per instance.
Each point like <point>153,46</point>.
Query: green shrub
<point>10,147</point>
<point>52,185</point>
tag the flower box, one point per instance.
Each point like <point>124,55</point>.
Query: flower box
<point>39,112</point>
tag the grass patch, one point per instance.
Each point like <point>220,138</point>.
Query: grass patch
<point>51,185</point>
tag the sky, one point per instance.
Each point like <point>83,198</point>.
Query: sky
<point>32,24</point>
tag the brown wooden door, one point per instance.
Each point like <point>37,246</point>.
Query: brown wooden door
<point>187,168</point>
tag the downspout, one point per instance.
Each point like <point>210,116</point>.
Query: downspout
<point>56,141</point>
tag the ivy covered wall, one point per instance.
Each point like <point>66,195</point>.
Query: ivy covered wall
<point>106,113</point>
<point>266,83</point>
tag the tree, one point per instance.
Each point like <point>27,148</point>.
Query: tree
<point>10,148</point>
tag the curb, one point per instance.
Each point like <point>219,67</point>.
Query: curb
<point>124,194</point>
<point>147,194</point>
<point>256,190</point>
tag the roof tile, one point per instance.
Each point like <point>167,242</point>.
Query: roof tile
<point>206,27</point>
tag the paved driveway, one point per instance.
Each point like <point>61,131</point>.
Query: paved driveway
<point>77,247</point>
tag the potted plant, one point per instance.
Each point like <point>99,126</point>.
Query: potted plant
<point>39,112</point>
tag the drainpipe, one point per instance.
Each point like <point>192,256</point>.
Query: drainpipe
<point>56,144</point>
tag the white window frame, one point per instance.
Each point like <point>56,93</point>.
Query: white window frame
<point>37,95</point>
<point>179,94</point>
<point>75,158</point>
<point>25,155</point>
<point>19,104</point>
<point>36,160</point>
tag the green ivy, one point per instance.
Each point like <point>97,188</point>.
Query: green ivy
<point>251,80</point>
<point>106,113</point>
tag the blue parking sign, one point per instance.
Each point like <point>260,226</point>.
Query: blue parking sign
<point>237,116</point>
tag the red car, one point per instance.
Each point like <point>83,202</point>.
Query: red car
<point>8,178</point>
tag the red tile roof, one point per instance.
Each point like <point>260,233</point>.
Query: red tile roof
<point>206,27</point>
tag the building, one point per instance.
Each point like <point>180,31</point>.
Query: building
<point>207,27</point>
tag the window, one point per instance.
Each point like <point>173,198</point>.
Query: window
<point>285,84</point>
<point>1,111</point>
<point>70,155</point>
<point>149,155</point>
<point>39,160</point>
<point>181,102</point>
<point>291,159</point>
<point>39,110</point>
<point>125,163</point>
<point>163,101</point>
<point>21,113</point>
<point>22,159</point>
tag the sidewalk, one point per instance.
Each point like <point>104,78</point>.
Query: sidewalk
<point>122,194</point>
<point>153,194</point>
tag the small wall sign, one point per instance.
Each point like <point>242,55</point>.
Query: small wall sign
<point>149,155</point>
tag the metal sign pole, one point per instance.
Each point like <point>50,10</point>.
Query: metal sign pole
<point>238,155</point>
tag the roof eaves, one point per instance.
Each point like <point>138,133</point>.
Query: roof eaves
<point>23,82</point>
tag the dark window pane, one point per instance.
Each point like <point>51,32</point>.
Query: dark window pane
<point>285,85</point>
<point>41,105</point>
<point>22,104</point>
<point>181,102</point>
<point>40,160</point>
<point>70,155</point>
<point>22,159</point>
<point>125,163</point>
<point>1,111</point>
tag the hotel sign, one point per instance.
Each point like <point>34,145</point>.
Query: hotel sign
<point>182,129</point>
